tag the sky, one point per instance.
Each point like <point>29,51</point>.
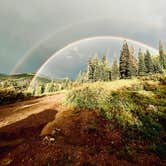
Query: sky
<point>41,27</point>
<point>70,60</point>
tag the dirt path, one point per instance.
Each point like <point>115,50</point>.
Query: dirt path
<point>16,112</point>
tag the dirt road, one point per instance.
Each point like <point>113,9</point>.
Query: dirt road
<point>16,112</point>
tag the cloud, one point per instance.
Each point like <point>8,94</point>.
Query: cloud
<point>24,23</point>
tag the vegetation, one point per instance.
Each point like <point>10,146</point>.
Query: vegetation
<point>129,66</point>
<point>15,87</point>
<point>141,63</point>
<point>138,107</point>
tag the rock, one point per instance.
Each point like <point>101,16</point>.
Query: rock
<point>151,107</point>
<point>52,140</point>
<point>55,131</point>
<point>46,139</point>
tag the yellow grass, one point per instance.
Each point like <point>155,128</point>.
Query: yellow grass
<point>113,85</point>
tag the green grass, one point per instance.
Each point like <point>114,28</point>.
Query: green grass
<point>137,106</point>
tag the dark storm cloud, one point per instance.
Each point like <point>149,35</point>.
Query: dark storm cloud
<point>24,23</point>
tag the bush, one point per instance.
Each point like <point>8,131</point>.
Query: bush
<point>160,149</point>
<point>9,95</point>
<point>163,80</point>
<point>152,77</point>
<point>111,104</point>
<point>87,98</point>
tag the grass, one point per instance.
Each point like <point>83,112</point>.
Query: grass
<point>98,95</point>
<point>137,106</point>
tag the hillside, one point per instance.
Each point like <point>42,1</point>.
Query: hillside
<point>103,123</point>
<point>22,76</point>
<point>15,87</point>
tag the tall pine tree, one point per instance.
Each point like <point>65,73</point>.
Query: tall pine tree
<point>157,65</point>
<point>115,69</point>
<point>105,69</point>
<point>162,55</point>
<point>141,63</point>
<point>95,62</point>
<point>125,62</point>
<point>90,70</point>
<point>133,61</point>
<point>148,62</point>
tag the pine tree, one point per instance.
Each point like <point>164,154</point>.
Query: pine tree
<point>38,90</point>
<point>157,65</point>
<point>161,53</point>
<point>107,74</point>
<point>90,70</point>
<point>47,88</point>
<point>148,62</point>
<point>104,69</point>
<point>133,61</point>
<point>96,64</point>
<point>97,75</point>
<point>79,78</point>
<point>115,69</point>
<point>141,63</point>
<point>125,62</point>
<point>110,74</point>
<point>82,77</point>
<point>104,60</point>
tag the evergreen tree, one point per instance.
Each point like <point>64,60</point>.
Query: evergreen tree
<point>38,90</point>
<point>141,63</point>
<point>97,73</point>
<point>104,69</point>
<point>79,77</point>
<point>148,62</point>
<point>133,61</point>
<point>42,88</point>
<point>115,69</point>
<point>110,74</point>
<point>104,60</point>
<point>82,77</point>
<point>98,70</point>
<point>96,64</point>
<point>157,65</point>
<point>162,55</point>
<point>125,62</point>
<point>90,70</point>
<point>47,88</point>
<point>107,74</point>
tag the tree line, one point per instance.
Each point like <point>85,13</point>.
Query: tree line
<point>127,66</point>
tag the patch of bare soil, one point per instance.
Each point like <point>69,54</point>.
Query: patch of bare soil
<point>23,131</point>
<point>21,110</point>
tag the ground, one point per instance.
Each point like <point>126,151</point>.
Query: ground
<point>42,131</point>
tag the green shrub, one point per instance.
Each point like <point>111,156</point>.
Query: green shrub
<point>159,149</point>
<point>9,95</point>
<point>163,80</point>
<point>87,98</point>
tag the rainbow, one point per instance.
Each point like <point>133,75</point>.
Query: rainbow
<point>40,42</point>
<point>154,50</point>
<point>29,53</point>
